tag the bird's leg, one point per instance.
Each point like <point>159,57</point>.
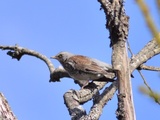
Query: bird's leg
<point>85,84</point>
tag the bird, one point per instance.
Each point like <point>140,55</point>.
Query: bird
<point>83,68</point>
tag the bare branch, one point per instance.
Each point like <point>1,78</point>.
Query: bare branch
<point>150,50</point>
<point>151,68</point>
<point>100,101</point>
<point>57,74</point>
<point>73,99</point>
<point>16,52</point>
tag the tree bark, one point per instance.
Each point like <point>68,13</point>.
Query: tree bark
<point>118,26</point>
<point>5,111</point>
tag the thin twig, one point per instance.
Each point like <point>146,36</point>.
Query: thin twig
<point>145,82</point>
<point>151,93</point>
<point>129,48</point>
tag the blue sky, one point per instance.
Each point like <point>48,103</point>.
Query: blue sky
<point>76,26</point>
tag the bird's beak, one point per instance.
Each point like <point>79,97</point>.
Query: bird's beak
<point>53,57</point>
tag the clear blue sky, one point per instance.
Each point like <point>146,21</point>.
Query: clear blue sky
<point>51,26</point>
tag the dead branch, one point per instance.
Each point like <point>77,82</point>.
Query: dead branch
<point>145,67</point>
<point>100,101</point>
<point>16,52</point>
<point>73,99</point>
<point>150,50</point>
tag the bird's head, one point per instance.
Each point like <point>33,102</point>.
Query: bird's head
<point>62,56</point>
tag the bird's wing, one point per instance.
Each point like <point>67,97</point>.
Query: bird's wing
<point>86,64</point>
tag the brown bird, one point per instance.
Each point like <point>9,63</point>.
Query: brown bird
<point>83,68</point>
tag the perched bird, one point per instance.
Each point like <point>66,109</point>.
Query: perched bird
<point>82,67</point>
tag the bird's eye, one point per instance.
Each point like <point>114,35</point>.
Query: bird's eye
<point>60,56</point>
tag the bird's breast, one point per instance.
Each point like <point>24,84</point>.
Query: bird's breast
<point>80,75</point>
